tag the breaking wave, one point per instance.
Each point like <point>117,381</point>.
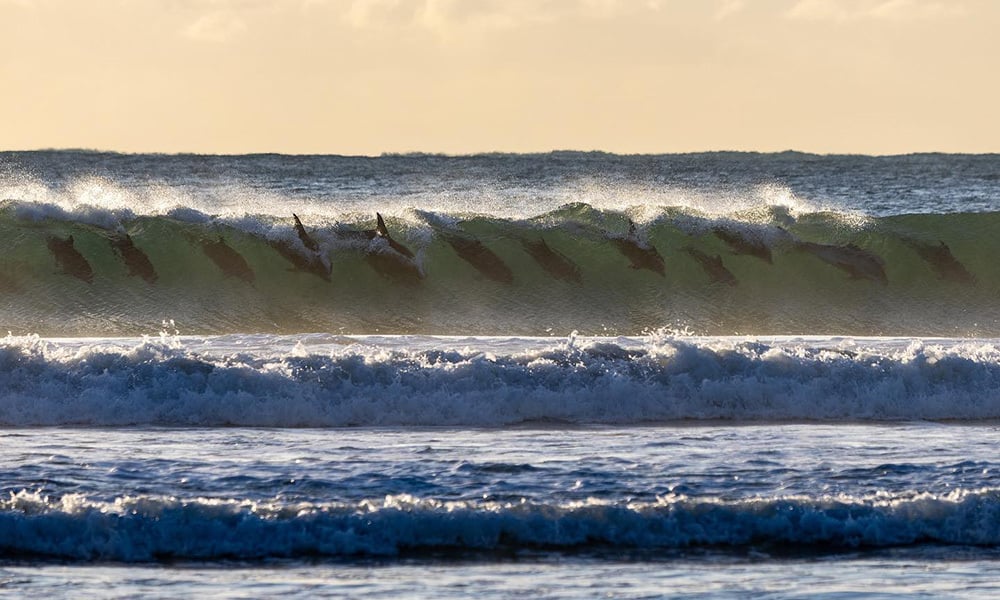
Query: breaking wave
<point>144,528</point>
<point>480,383</point>
<point>765,271</point>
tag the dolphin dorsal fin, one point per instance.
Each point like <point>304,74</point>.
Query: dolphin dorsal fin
<point>631,230</point>
<point>380,228</point>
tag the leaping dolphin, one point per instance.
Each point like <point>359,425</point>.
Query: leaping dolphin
<point>230,261</point>
<point>134,258</point>
<point>555,263</point>
<point>740,244</point>
<point>640,254</point>
<point>72,262</point>
<point>940,258</point>
<point>856,262</point>
<point>712,265</point>
<point>480,257</point>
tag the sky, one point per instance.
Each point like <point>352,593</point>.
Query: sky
<point>462,76</point>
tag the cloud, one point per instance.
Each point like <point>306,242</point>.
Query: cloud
<point>217,27</point>
<point>884,10</point>
<point>729,8</point>
<point>443,16</point>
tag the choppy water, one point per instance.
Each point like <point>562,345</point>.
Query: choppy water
<point>784,380</point>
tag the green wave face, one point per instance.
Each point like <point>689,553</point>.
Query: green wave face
<point>571,269</point>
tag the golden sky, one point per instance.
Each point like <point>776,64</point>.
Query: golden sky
<point>459,76</point>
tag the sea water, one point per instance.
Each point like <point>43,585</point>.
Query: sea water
<point>349,420</point>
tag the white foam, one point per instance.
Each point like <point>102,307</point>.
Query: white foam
<point>148,528</point>
<point>278,382</point>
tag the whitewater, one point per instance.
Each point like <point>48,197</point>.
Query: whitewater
<point>555,375</point>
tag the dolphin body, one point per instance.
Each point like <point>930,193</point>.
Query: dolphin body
<point>312,262</point>
<point>856,262</point>
<point>480,257</point>
<point>72,262</point>
<point>740,244</point>
<point>940,258</point>
<point>554,262</point>
<point>230,261</point>
<point>134,258</point>
<point>381,231</point>
<point>640,254</point>
<point>389,257</point>
<point>713,266</point>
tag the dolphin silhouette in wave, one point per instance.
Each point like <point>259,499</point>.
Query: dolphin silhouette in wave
<point>741,244</point>
<point>712,265</point>
<point>940,258</point>
<point>555,263</point>
<point>310,261</point>
<point>389,257</point>
<point>856,262</point>
<point>134,258</point>
<point>69,258</point>
<point>640,254</point>
<point>480,257</point>
<point>230,261</point>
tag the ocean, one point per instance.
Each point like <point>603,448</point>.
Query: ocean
<point>562,375</point>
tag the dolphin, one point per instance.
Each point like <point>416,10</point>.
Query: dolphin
<point>382,232</point>
<point>741,244</point>
<point>554,262</point>
<point>480,257</point>
<point>135,259</point>
<point>304,236</point>
<point>313,264</point>
<point>640,254</point>
<point>309,262</point>
<point>940,258</point>
<point>713,266</point>
<point>230,261</point>
<point>72,262</point>
<point>856,262</point>
<point>389,257</point>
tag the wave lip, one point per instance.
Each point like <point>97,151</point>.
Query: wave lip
<point>579,381</point>
<point>142,529</point>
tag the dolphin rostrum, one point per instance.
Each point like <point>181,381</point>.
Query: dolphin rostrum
<point>134,258</point>
<point>480,257</point>
<point>230,261</point>
<point>712,265</point>
<point>855,261</point>
<point>940,258</point>
<point>72,262</point>
<point>742,244</point>
<point>640,254</point>
<point>555,263</point>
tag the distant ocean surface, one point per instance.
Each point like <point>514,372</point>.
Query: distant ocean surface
<point>552,375</point>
